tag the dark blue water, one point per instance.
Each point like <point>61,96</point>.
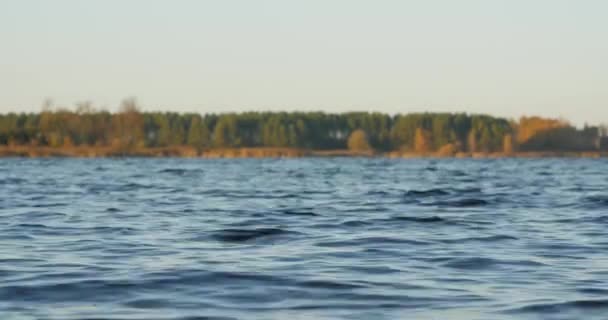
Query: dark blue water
<point>303,239</point>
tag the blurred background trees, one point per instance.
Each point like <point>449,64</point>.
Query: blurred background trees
<point>448,133</point>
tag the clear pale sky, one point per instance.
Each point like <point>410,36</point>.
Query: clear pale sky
<point>502,57</point>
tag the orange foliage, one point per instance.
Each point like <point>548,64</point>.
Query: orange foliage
<point>507,144</point>
<point>421,140</point>
<point>358,141</point>
<point>528,127</point>
<point>447,150</point>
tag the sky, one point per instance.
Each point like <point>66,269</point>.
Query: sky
<point>500,57</point>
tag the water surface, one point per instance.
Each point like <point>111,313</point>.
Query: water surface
<point>303,239</point>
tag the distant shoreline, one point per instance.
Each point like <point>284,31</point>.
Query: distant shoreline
<point>261,152</point>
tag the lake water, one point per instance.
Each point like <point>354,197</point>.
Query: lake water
<point>303,239</point>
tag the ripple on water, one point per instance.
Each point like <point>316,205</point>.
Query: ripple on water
<point>431,219</point>
<point>305,213</point>
<point>303,238</point>
<point>493,238</point>
<point>460,203</point>
<point>479,263</point>
<point>244,235</point>
<point>365,241</point>
<point>582,308</point>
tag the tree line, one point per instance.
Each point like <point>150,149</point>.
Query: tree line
<point>416,132</point>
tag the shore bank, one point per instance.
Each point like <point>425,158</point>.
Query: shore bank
<point>189,152</point>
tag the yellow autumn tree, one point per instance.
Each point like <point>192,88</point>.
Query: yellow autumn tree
<point>421,141</point>
<point>447,150</point>
<point>507,144</point>
<point>357,141</point>
<point>128,126</point>
<point>529,127</point>
<point>472,142</point>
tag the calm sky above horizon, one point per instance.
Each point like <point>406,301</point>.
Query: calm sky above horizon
<point>502,57</point>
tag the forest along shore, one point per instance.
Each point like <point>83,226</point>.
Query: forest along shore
<point>190,152</point>
<point>87,132</point>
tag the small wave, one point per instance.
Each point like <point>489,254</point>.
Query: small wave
<point>205,318</point>
<point>147,303</point>
<point>351,306</point>
<point>33,215</point>
<point>467,190</point>
<point>495,238</point>
<point>373,270</point>
<point>393,240</point>
<point>355,223</point>
<point>31,225</point>
<point>579,305</point>
<point>427,193</point>
<point>371,240</point>
<point>438,193</point>
<point>418,219</point>
<point>123,230</point>
<point>595,202</point>
<point>282,196</point>
<point>332,285</point>
<point>202,318</point>
<point>255,221</point>
<point>594,291</point>
<point>457,173</point>
<point>560,248</point>
<point>599,219</point>
<point>313,192</point>
<point>12,236</point>
<point>20,260</point>
<point>377,193</point>
<point>236,194</point>
<point>471,263</point>
<point>99,290</point>
<point>104,188</point>
<point>50,205</point>
<point>165,279</point>
<point>134,186</point>
<point>365,209</point>
<point>383,298</point>
<point>298,175</point>
<point>460,203</point>
<point>244,235</point>
<point>12,181</point>
<point>477,263</point>
<point>180,172</point>
<point>299,213</point>
<point>86,290</point>
<point>596,219</point>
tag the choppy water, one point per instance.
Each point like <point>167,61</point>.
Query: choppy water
<point>303,239</point>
